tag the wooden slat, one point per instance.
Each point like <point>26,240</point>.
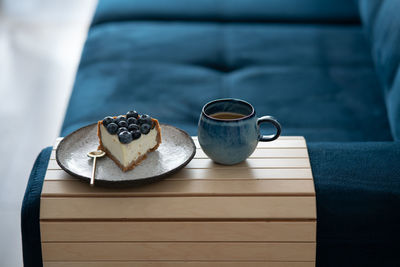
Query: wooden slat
<point>281,142</point>
<point>215,174</point>
<point>53,165</point>
<point>57,175</point>
<point>57,142</point>
<point>252,163</point>
<point>179,251</point>
<point>177,231</point>
<point>277,144</point>
<point>188,208</point>
<point>249,163</point>
<point>258,153</point>
<point>76,188</point>
<point>177,264</point>
<point>267,153</point>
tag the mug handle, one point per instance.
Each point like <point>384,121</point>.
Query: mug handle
<point>272,137</point>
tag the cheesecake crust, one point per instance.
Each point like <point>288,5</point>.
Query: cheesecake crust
<point>140,158</point>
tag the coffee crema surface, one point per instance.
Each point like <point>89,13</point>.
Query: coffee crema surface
<point>227,115</point>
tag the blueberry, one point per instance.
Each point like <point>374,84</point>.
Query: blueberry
<point>132,114</point>
<point>131,120</point>
<point>107,120</point>
<point>145,119</point>
<point>121,129</point>
<point>123,124</point>
<point>112,128</point>
<point>125,137</point>
<point>133,127</point>
<point>136,134</point>
<point>145,128</point>
<point>120,118</point>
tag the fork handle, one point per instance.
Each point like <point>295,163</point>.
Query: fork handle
<point>93,172</point>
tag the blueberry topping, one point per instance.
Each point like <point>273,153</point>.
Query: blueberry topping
<point>133,127</point>
<point>136,134</point>
<point>120,118</point>
<point>145,128</point>
<point>112,128</point>
<point>131,120</point>
<point>132,114</point>
<point>125,137</point>
<point>123,124</point>
<point>107,120</point>
<point>145,119</point>
<point>121,129</point>
<point>129,127</point>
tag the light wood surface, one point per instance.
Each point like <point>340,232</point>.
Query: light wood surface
<point>178,231</point>
<point>178,208</point>
<point>261,212</point>
<point>211,251</point>
<point>258,153</point>
<point>283,142</point>
<point>75,188</point>
<point>215,174</point>
<point>178,264</point>
<point>252,163</point>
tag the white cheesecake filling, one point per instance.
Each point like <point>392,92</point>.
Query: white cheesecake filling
<point>127,153</point>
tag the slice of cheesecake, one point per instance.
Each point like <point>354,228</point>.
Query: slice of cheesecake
<point>127,139</point>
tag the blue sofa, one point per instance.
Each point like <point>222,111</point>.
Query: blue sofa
<point>327,69</point>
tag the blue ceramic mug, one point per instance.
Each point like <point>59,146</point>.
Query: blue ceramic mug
<point>229,130</point>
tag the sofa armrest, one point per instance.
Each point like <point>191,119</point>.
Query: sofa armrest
<point>358,203</point>
<point>30,210</point>
<point>303,11</point>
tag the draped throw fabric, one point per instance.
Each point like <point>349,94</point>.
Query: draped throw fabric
<point>382,24</point>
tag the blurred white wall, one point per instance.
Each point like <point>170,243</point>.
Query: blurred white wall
<point>40,47</point>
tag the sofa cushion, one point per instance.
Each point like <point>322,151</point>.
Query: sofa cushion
<point>318,80</point>
<point>322,11</point>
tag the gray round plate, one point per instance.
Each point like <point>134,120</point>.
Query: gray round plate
<point>176,150</point>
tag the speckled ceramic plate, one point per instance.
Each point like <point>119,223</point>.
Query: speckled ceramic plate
<point>176,150</point>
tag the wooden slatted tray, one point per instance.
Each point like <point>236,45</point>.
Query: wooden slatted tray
<point>261,212</point>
